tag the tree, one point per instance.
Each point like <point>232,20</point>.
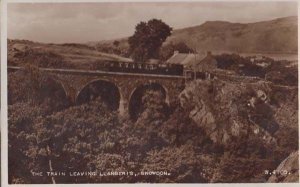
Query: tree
<point>167,51</point>
<point>116,43</point>
<point>147,39</point>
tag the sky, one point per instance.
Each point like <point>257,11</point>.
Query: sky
<point>85,22</point>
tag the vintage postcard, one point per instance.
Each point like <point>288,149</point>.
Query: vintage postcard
<point>152,92</point>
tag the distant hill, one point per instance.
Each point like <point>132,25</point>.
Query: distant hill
<point>275,36</point>
<point>71,55</point>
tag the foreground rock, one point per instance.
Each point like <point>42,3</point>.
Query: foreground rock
<point>246,124</point>
<point>226,110</point>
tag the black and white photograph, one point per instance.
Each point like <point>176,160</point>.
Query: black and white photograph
<point>152,92</point>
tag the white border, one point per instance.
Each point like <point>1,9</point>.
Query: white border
<point>4,165</point>
<point>4,124</point>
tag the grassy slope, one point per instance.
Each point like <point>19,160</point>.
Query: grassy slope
<point>21,51</point>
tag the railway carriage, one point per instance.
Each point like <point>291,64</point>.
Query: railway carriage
<point>143,68</point>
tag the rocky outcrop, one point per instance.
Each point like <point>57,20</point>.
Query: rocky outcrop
<point>227,110</point>
<point>244,122</point>
<point>288,170</point>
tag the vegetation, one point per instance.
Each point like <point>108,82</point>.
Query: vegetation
<point>46,134</point>
<point>147,39</point>
<point>278,72</point>
<point>168,50</point>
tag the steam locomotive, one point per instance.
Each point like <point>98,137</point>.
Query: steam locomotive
<point>143,68</point>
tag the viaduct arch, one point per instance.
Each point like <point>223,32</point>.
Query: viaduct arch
<point>135,99</point>
<point>75,81</point>
<point>101,89</point>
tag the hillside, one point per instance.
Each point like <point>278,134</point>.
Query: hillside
<point>71,55</point>
<point>275,36</point>
<point>278,36</point>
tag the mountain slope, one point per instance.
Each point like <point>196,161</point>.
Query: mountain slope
<point>275,36</point>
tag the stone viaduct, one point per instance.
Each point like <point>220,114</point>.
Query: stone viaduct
<point>74,81</point>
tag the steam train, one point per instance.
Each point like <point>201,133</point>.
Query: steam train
<point>143,68</point>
